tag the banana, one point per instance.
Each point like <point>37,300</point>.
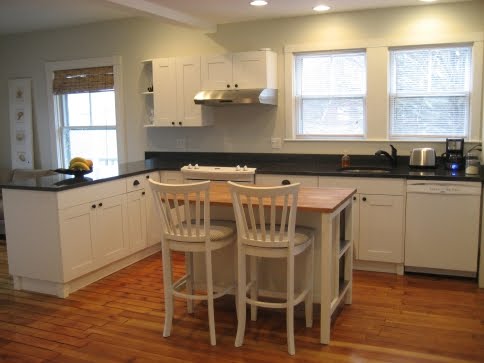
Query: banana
<point>79,165</point>
<point>89,163</point>
<point>75,160</point>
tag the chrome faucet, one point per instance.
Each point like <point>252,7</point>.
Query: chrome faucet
<point>392,157</point>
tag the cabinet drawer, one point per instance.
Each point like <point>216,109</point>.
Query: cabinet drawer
<point>140,181</point>
<point>366,185</point>
<point>272,179</point>
<point>90,193</point>
<point>136,182</point>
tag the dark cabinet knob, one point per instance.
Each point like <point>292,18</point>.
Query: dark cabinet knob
<point>173,123</point>
<point>354,198</point>
<point>285,182</point>
<point>236,85</point>
<point>364,199</point>
<point>143,193</point>
<point>147,177</point>
<point>180,123</point>
<point>136,182</point>
<point>100,204</point>
<point>228,86</point>
<point>93,206</point>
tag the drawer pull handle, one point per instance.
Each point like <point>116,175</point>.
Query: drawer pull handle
<point>136,182</point>
<point>93,206</point>
<point>143,193</point>
<point>100,204</point>
<point>354,198</point>
<point>147,177</point>
<point>364,199</point>
<point>285,182</point>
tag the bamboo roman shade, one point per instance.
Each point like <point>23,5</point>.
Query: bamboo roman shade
<point>83,80</point>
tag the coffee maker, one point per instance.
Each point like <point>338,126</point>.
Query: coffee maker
<point>454,154</point>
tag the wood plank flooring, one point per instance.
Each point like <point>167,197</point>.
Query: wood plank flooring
<point>410,318</point>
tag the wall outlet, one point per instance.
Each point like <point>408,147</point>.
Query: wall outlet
<point>181,143</point>
<point>276,142</point>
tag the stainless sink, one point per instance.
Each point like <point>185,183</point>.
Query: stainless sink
<point>364,170</point>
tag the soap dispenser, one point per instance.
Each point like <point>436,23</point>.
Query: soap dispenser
<point>345,159</point>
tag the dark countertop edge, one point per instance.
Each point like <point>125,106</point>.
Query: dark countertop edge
<point>276,168</point>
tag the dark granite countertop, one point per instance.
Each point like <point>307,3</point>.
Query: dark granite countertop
<point>299,164</point>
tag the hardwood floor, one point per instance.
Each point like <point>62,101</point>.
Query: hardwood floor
<point>393,318</point>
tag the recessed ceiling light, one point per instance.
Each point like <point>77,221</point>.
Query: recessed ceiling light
<point>258,3</point>
<point>321,8</point>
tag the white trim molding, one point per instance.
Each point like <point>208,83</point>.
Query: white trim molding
<point>114,61</point>
<point>377,105</point>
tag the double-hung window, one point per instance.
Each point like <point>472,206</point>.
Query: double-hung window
<point>330,94</point>
<point>84,109</point>
<point>430,92</point>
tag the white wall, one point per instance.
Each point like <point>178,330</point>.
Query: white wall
<point>239,128</point>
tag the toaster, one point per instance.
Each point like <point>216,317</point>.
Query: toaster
<point>423,157</point>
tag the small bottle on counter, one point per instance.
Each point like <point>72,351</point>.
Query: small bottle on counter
<point>345,159</point>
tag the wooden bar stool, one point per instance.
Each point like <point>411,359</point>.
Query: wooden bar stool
<point>266,228</point>
<point>184,211</point>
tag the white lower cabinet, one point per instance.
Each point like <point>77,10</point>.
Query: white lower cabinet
<point>381,228</point>
<point>143,224</point>
<point>137,220</point>
<point>92,235</point>
<point>78,236</point>
<point>379,217</point>
<point>171,177</point>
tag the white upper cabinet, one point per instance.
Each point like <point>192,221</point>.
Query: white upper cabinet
<point>164,91</point>
<point>246,70</point>
<point>175,83</point>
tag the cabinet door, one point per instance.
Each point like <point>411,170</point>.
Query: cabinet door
<point>153,226</point>
<point>137,220</point>
<point>164,91</point>
<point>381,228</point>
<point>76,227</point>
<point>216,72</point>
<point>250,70</point>
<point>171,177</point>
<point>110,232</point>
<point>188,84</point>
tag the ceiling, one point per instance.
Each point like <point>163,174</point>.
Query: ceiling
<point>18,16</point>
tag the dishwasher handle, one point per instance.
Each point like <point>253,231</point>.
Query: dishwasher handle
<point>448,189</point>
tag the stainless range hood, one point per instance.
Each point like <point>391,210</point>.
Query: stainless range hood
<point>260,96</point>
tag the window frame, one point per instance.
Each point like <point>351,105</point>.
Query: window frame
<point>298,100</point>
<point>377,100</point>
<point>54,106</point>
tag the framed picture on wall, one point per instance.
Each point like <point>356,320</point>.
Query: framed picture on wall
<point>21,135</point>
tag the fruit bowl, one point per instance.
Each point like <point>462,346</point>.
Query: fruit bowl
<point>78,173</point>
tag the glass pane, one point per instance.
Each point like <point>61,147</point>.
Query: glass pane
<point>98,145</point>
<point>429,116</point>
<point>103,109</point>
<point>332,116</point>
<point>331,74</point>
<point>431,70</point>
<point>77,111</point>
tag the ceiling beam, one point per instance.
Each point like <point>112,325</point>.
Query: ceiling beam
<point>167,14</point>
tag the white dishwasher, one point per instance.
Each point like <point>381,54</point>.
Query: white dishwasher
<point>442,227</point>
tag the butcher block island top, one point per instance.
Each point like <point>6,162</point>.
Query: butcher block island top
<point>323,200</point>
